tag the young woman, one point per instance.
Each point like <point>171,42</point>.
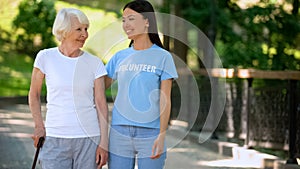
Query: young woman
<point>76,128</point>
<point>144,73</point>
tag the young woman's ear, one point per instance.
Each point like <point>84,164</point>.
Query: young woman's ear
<point>147,23</point>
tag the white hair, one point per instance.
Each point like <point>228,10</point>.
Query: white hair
<point>62,23</point>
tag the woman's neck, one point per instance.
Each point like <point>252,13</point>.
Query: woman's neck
<point>142,43</point>
<point>69,51</point>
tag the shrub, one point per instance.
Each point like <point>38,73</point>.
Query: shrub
<point>33,26</point>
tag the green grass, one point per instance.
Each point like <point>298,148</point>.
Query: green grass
<point>8,10</point>
<point>278,153</point>
<point>15,74</point>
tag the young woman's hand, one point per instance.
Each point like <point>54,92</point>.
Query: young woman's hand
<point>158,147</point>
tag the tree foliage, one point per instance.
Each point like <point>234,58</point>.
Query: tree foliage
<point>33,25</point>
<point>264,36</point>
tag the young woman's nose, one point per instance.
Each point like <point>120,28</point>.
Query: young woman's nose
<point>125,24</point>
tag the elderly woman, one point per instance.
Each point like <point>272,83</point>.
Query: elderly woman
<point>75,129</point>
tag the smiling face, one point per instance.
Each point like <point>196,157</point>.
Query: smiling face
<point>78,34</point>
<point>134,24</point>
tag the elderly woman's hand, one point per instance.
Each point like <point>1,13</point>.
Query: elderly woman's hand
<point>38,132</point>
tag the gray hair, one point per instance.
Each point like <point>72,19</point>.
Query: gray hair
<point>62,23</point>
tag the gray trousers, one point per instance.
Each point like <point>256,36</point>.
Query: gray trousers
<point>69,153</point>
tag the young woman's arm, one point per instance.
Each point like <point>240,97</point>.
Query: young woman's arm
<point>34,101</point>
<point>108,82</point>
<point>165,110</point>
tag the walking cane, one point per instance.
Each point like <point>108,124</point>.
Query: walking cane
<point>39,145</point>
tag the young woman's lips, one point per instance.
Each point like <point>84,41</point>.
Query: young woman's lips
<point>129,31</point>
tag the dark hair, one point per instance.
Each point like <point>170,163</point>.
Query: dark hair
<point>146,9</point>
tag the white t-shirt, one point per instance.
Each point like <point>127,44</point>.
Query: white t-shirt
<point>71,111</point>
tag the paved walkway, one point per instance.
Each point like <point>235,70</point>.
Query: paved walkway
<point>17,151</point>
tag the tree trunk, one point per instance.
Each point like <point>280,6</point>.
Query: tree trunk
<point>209,51</point>
<point>180,49</point>
<point>166,28</point>
<point>295,7</point>
<point>206,47</point>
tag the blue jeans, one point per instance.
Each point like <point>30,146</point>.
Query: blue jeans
<point>128,144</point>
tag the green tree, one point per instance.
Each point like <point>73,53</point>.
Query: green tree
<point>33,26</point>
<point>265,35</point>
<point>267,38</point>
<point>204,14</point>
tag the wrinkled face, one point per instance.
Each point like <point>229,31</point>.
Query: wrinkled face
<point>77,35</point>
<point>134,24</point>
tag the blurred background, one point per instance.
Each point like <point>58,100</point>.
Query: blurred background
<point>258,37</point>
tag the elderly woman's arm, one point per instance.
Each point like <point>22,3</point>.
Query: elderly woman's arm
<point>37,79</point>
<point>102,110</point>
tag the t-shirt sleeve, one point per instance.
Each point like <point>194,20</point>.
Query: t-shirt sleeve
<point>39,61</point>
<point>111,67</point>
<point>169,71</point>
<point>101,71</point>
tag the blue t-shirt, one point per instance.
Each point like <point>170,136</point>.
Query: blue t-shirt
<point>139,74</point>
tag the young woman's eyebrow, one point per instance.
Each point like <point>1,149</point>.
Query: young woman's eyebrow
<point>128,16</point>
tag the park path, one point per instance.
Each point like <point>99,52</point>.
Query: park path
<point>17,151</point>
